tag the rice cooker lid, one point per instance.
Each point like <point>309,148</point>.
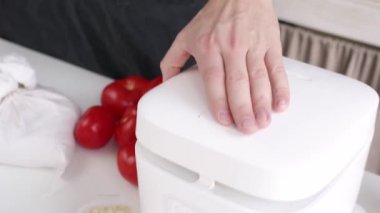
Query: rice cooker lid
<point>329,120</point>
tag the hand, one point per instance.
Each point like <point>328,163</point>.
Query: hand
<point>237,47</point>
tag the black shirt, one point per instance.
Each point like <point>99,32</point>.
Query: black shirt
<point>115,38</point>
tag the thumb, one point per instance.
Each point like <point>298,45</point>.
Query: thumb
<point>174,60</point>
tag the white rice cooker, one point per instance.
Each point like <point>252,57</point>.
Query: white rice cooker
<point>309,160</point>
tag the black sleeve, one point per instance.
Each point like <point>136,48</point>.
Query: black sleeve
<point>111,37</point>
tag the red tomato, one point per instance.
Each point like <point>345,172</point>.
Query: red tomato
<point>153,83</point>
<point>125,130</point>
<point>156,81</point>
<point>126,162</point>
<point>95,127</point>
<point>133,82</point>
<point>116,98</point>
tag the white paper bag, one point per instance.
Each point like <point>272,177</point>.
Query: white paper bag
<point>36,124</point>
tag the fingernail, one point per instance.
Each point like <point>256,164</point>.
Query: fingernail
<point>225,118</point>
<point>263,118</point>
<point>248,124</point>
<point>281,105</point>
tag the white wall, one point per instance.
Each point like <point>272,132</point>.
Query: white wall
<point>357,20</point>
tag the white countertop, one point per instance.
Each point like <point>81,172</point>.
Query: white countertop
<point>92,175</point>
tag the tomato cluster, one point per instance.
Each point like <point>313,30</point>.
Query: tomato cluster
<point>116,116</point>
